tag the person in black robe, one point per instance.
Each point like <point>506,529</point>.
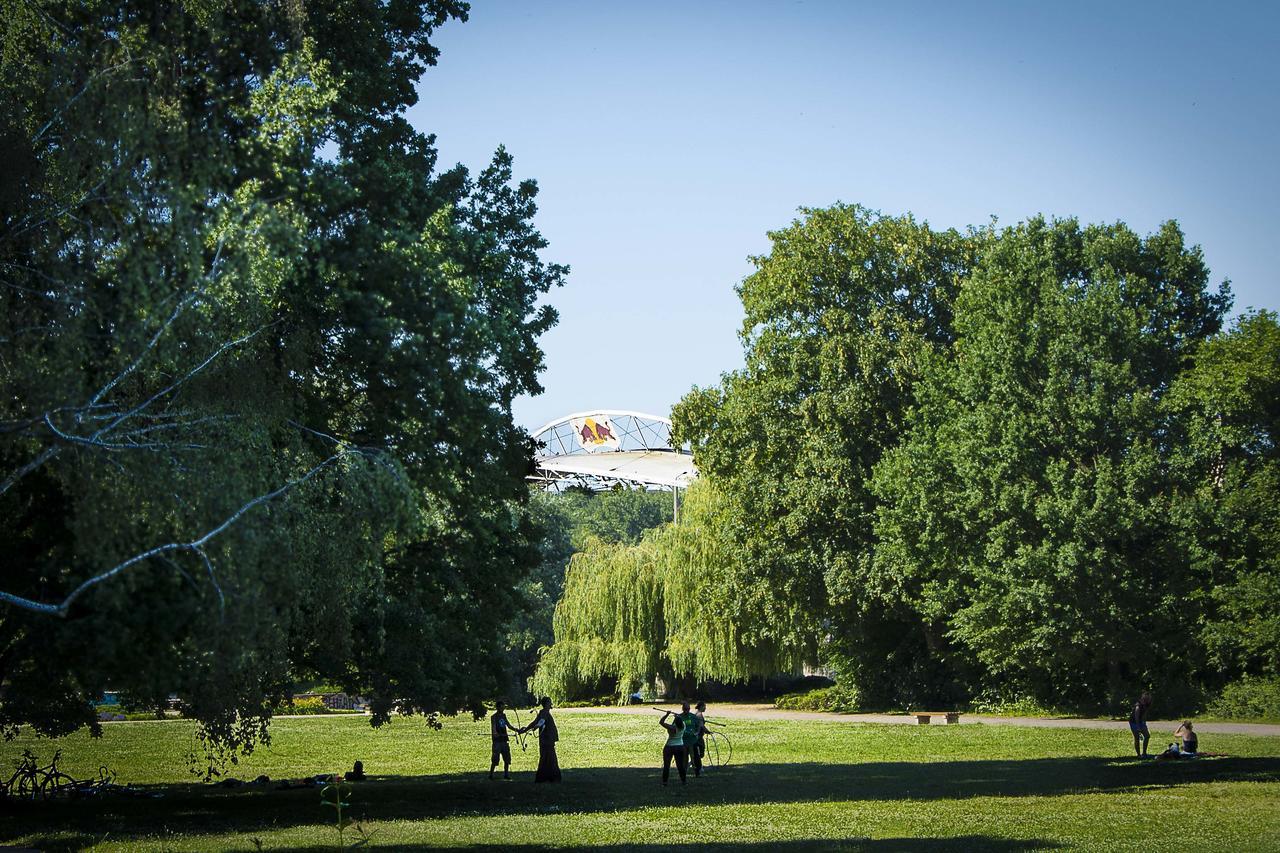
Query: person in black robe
<point>548,764</point>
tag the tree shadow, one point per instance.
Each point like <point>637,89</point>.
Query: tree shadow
<point>195,810</point>
<point>954,844</point>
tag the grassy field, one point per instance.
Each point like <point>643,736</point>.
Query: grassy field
<point>793,786</point>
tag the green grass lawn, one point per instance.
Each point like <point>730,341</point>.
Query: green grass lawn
<point>793,786</point>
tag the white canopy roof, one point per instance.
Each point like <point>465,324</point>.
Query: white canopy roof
<point>612,445</point>
<point>652,467</point>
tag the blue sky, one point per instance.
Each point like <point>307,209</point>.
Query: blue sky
<point>668,138</point>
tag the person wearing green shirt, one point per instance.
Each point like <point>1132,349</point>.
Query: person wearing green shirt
<point>692,736</point>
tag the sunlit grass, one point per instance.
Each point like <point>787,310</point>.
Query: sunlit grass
<point>793,786</point>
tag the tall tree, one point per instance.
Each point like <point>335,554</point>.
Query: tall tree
<point>841,316</point>
<point>1027,514</point>
<point>248,324</point>
<point>568,522</point>
<point>1225,419</point>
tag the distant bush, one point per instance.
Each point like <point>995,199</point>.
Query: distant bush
<point>834,698</point>
<point>320,687</point>
<point>114,712</point>
<point>308,705</point>
<point>1249,698</point>
<point>594,702</point>
<point>1011,706</point>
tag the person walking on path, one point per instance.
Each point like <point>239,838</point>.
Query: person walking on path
<point>674,748</point>
<point>499,733</point>
<point>692,736</point>
<point>548,764</point>
<point>1138,724</point>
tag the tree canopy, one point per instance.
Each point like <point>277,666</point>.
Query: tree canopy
<point>1010,462</point>
<point>1026,515</point>
<point>258,356</point>
<point>657,607</point>
<point>570,521</point>
<point>842,317</point>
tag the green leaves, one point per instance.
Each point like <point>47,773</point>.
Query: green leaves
<point>841,319</point>
<point>220,227</point>
<point>965,462</point>
<point>1030,492</point>
<point>661,606</point>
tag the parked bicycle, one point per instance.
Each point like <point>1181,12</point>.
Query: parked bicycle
<point>30,781</point>
<point>25,781</point>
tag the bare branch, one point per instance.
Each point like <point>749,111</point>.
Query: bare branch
<point>97,439</point>
<point>45,455</point>
<point>213,578</point>
<point>178,383</point>
<point>195,545</point>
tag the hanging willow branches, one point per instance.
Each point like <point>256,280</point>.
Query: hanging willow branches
<point>665,606</point>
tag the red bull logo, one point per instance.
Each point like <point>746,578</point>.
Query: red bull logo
<point>595,432</point>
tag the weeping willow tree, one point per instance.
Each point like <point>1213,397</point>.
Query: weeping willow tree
<point>662,607</point>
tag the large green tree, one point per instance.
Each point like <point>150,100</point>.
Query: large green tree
<point>1027,514</point>
<point>1224,414</point>
<point>842,316</point>
<point>257,358</point>
<point>568,522</point>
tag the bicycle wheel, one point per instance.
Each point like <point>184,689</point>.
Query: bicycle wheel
<point>57,783</point>
<point>26,787</point>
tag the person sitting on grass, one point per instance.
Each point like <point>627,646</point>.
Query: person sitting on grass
<point>1138,724</point>
<point>674,748</point>
<point>1190,743</point>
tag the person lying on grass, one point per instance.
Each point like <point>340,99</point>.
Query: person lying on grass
<point>674,748</point>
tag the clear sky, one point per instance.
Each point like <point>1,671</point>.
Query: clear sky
<point>668,138</point>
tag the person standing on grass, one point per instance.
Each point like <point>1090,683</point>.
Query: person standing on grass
<point>499,733</point>
<point>674,748</point>
<point>692,735</point>
<point>1138,724</point>
<point>548,764</point>
<point>700,711</point>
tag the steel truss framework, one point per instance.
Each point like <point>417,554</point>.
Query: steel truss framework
<point>643,457</point>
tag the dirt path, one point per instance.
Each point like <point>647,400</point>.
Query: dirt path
<point>768,712</point>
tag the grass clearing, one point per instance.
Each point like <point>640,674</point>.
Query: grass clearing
<point>793,786</point>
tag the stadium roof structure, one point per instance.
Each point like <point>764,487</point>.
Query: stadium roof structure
<point>601,448</point>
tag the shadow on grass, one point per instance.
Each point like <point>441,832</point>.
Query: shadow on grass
<point>196,811</point>
<point>955,844</point>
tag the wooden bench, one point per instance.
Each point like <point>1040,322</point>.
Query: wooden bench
<point>953,717</point>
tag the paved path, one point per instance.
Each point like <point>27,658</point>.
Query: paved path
<point>768,712</point>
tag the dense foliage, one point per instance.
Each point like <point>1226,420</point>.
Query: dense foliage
<point>659,607</point>
<point>245,320</point>
<point>842,318</point>
<point>567,521</point>
<point>1024,462</point>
